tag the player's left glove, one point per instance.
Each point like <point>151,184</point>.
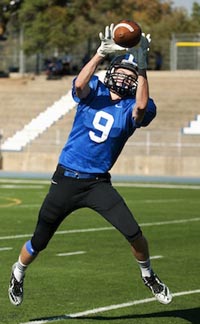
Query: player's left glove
<point>140,51</point>
<point>108,45</point>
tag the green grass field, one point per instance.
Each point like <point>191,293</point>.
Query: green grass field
<point>100,271</point>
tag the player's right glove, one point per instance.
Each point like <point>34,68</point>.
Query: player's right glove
<point>108,45</point>
<point>140,52</point>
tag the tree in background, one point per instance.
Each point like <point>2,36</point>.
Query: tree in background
<point>4,18</point>
<point>73,25</point>
<point>195,18</point>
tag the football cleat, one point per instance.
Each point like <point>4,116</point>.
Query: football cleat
<point>15,290</point>
<point>158,288</point>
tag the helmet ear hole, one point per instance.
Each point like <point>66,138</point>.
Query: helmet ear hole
<point>121,83</point>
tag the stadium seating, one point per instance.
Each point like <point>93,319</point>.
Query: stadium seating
<point>161,148</point>
<point>193,128</point>
<point>39,124</point>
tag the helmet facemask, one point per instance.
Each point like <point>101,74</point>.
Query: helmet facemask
<point>118,82</point>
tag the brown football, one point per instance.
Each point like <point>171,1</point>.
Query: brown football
<point>127,33</point>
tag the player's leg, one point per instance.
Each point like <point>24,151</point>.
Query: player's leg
<point>107,201</point>
<point>53,210</point>
<point>45,228</point>
<point>16,290</point>
<point>158,288</point>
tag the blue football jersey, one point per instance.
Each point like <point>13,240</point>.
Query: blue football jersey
<point>100,130</point>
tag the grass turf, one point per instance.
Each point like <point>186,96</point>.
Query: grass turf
<point>106,274</point>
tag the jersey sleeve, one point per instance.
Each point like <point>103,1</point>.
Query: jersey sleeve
<point>150,113</point>
<point>93,83</point>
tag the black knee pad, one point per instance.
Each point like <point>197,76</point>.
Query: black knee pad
<point>134,237</point>
<point>42,235</point>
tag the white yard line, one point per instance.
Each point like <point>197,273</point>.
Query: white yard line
<point>70,253</point>
<point>6,249</point>
<point>132,303</point>
<point>154,257</point>
<point>5,180</point>
<point>155,185</point>
<point>99,229</point>
<point>106,308</point>
<point>9,186</point>
<point>177,221</point>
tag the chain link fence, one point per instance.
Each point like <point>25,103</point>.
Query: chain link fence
<point>185,52</point>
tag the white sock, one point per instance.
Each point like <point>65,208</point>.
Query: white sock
<point>145,268</point>
<point>19,270</point>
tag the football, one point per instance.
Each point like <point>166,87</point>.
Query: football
<point>127,33</point>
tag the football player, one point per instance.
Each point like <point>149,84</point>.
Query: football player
<point>108,113</point>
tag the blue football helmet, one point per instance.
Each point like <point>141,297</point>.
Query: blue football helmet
<point>120,83</point>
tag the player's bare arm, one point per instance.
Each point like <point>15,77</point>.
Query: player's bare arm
<point>106,47</point>
<point>83,78</point>
<point>142,96</point>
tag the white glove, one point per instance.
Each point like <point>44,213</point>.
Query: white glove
<point>140,51</point>
<point>108,45</point>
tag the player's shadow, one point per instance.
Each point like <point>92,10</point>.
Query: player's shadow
<point>191,315</point>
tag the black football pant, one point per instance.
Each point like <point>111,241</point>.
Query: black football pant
<point>67,194</point>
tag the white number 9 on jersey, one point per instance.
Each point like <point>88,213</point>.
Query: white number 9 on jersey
<point>103,128</point>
